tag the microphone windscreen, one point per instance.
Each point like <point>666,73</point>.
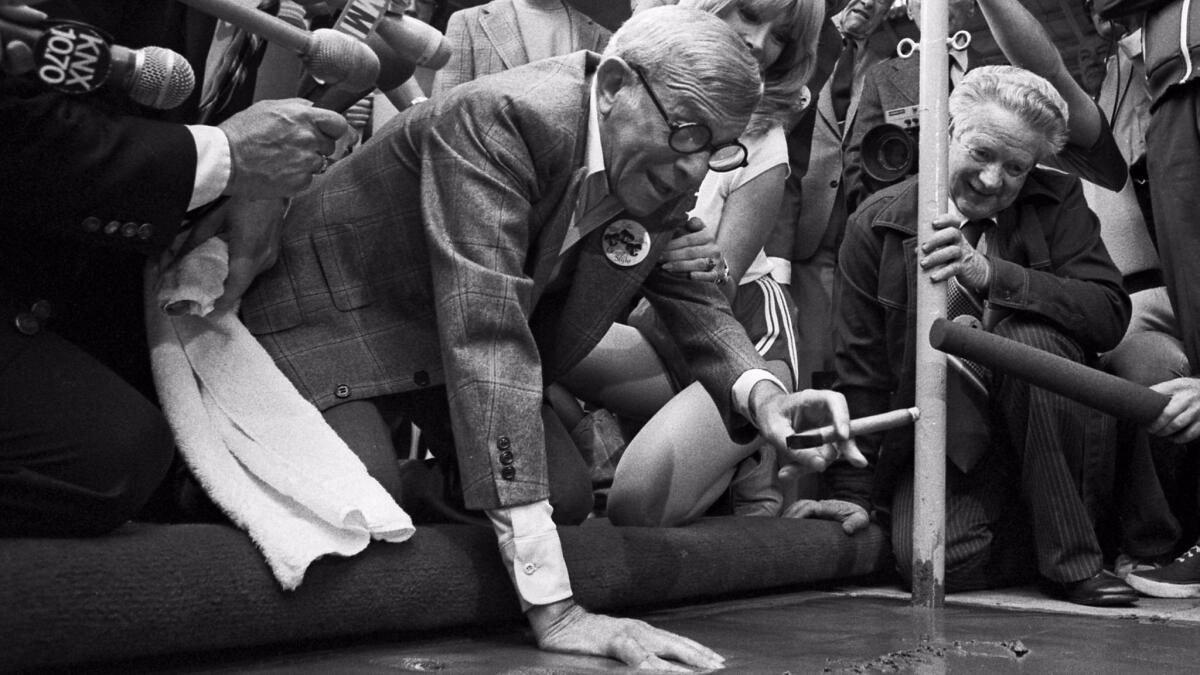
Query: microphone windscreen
<point>394,70</point>
<point>414,40</point>
<point>1107,393</point>
<point>161,78</point>
<point>337,58</point>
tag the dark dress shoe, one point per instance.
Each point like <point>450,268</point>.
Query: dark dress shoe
<point>1103,589</point>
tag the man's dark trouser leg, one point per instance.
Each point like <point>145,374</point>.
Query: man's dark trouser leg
<point>1065,454</point>
<point>988,542</point>
<point>367,427</point>
<point>1173,162</point>
<point>80,450</point>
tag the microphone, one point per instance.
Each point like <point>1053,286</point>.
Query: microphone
<point>329,55</point>
<point>414,40</point>
<point>75,58</point>
<point>393,71</point>
<point>1107,393</point>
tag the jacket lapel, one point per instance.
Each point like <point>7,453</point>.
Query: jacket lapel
<point>600,291</point>
<point>587,33</point>
<point>902,89</point>
<point>550,242</point>
<point>825,115</point>
<point>499,24</point>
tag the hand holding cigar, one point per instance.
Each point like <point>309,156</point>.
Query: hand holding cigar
<point>862,425</point>
<point>815,449</point>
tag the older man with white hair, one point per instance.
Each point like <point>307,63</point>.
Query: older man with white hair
<point>482,243</point>
<point>1018,242</point>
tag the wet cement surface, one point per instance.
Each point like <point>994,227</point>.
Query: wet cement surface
<point>806,632</point>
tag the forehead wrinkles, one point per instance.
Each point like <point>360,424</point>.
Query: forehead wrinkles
<point>688,102</point>
<point>1012,142</point>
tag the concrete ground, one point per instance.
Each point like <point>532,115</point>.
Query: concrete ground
<point>838,630</point>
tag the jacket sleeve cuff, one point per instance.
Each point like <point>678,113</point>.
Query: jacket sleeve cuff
<point>1009,284</point>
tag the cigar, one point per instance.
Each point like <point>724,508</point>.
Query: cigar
<point>863,425</point>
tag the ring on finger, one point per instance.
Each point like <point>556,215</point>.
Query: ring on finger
<point>711,264</point>
<point>724,278</point>
<point>325,162</point>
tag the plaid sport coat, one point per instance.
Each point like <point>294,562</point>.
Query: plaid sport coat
<point>424,257</point>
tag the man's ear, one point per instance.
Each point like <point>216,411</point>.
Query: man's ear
<point>612,75</point>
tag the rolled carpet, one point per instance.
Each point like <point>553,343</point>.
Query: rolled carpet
<point>154,590</point>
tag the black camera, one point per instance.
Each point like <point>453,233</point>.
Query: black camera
<point>889,150</point>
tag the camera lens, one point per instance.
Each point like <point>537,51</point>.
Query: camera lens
<point>889,153</point>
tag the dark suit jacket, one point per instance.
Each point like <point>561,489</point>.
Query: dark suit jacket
<point>822,199</point>
<point>896,83</point>
<point>486,39</point>
<point>93,183</point>
<point>1048,260</point>
<point>71,158</point>
<point>425,259</point>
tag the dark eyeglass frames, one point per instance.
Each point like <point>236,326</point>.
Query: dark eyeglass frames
<point>691,137</point>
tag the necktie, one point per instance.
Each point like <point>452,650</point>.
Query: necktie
<point>841,82</point>
<point>238,56</point>
<point>964,305</point>
<point>967,382</point>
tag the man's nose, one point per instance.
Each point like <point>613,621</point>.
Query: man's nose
<point>691,168</point>
<point>991,176</point>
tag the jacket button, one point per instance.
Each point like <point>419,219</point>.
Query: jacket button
<point>91,224</point>
<point>111,227</point>
<point>833,183</point>
<point>503,443</point>
<point>41,310</point>
<point>342,391</point>
<point>128,230</point>
<point>508,473</point>
<point>421,378</point>
<point>529,568</point>
<point>28,324</point>
<point>506,457</point>
<point>145,231</point>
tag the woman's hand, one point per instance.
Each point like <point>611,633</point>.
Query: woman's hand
<point>696,254</point>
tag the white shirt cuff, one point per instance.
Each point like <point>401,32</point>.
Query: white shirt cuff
<point>213,164</point>
<point>532,553</point>
<point>745,383</point>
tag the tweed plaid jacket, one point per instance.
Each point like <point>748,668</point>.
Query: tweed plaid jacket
<point>424,258</point>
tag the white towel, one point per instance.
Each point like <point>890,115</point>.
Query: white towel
<point>262,452</point>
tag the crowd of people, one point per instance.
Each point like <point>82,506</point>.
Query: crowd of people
<point>611,274</point>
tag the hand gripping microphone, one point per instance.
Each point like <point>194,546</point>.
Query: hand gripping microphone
<point>330,56</point>
<point>75,58</point>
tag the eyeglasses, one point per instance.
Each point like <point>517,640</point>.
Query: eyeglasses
<point>688,138</point>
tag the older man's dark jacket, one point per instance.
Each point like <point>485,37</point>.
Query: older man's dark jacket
<point>1047,260</point>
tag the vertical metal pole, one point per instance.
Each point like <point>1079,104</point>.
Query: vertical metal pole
<point>929,507</point>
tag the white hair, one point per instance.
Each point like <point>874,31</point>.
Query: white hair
<point>695,54</point>
<point>1025,94</point>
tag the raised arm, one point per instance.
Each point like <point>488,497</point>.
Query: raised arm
<point>1091,151</point>
<point>1025,43</point>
